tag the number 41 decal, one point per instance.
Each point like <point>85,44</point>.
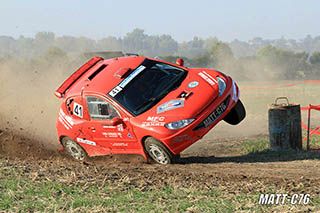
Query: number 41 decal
<point>78,110</point>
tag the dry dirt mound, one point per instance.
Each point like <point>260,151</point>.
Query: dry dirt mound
<point>13,145</point>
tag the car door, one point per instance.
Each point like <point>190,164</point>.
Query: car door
<point>108,125</point>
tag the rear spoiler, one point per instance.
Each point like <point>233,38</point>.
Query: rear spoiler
<point>75,76</point>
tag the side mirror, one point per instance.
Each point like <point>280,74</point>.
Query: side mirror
<point>116,121</point>
<point>180,62</point>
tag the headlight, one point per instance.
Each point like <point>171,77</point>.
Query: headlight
<point>235,95</point>
<point>179,124</point>
<point>222,85</point>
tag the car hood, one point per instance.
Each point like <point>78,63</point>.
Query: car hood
<point>197,91</point>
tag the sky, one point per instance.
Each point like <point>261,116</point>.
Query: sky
<point>182,19</point>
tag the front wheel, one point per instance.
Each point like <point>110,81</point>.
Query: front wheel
<point>236,115</point>
<point>74,149</point>
<point>157,151</point>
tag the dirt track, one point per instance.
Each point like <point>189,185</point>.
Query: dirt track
<point>207,163</point>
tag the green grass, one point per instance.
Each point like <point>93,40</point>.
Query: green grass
<point>21,194</point>
<point>255,145</point>
<point>259,145</point>
<point>258,150</point>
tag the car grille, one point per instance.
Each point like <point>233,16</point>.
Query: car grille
<point>214,115</point>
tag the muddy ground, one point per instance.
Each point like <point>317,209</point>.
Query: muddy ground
<point>216,162</point>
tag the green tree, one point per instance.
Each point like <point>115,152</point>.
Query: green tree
<point>284,64</point>
<point>55,54</point>
<point>221,55</point>
<point>135,41</point>
<point>201,60</point>
<point>43,40</point>
<point>109,43</point>
<point>67,43</point>
<point>315,64</point>
<point>315,58</point>
<point>191,48</point>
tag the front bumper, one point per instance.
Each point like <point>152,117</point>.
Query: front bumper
<point>205,120</point>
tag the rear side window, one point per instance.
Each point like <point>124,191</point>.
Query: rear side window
<point>100,109</point>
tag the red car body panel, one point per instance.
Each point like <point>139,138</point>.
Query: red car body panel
<point>99,137</point>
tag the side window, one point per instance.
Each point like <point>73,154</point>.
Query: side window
<point>69,102</point>
<point>100,109</point>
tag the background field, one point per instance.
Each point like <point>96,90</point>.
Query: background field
<point>225,171</point>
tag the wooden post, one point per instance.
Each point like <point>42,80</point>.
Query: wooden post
<point>285,126</point>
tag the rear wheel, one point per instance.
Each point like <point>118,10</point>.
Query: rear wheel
<point>74,149</point>
<point>157,151</point>
<point>236,115</point>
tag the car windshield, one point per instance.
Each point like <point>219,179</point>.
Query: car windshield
<point>150,82</point>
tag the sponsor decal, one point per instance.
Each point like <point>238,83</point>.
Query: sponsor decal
<point>208,78</point>
<point>80,140</point>
<point>112,134</point>
<point>123,83</point>
<point>119,144</point>
<point>115,91</point>
<point>152,124</point>
<point>170,105</point>
<point>108,127</point>
<point>154,121</point>
<point>120,127</point>
<point>155,118</point>
<point>185,94</point>
<point>78,110</point>
<point>193,84</point>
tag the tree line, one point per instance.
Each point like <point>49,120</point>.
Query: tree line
<point>256,59</point>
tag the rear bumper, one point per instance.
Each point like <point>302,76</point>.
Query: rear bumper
<point>185,137</point>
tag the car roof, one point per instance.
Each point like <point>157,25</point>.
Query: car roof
<point>103,81</point>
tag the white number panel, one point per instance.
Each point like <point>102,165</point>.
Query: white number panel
<point>78,110</point>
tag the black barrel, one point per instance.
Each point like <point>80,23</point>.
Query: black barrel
<point>285,125</point>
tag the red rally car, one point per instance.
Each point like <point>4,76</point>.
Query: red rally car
<point>145,106</point>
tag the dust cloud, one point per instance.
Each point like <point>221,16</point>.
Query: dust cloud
<point>28,105</point>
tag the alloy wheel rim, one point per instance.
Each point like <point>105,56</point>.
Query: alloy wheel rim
<point>74,150</point>
<point>158,155</point>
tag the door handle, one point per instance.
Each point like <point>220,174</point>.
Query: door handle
<point>92,128</point>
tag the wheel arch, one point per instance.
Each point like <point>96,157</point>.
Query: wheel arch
<point>61,138</point>
<point>150,136</point>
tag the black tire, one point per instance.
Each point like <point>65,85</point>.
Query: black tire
<point>74,149</point>
<point>157,151</point>
<point>236,115</point>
